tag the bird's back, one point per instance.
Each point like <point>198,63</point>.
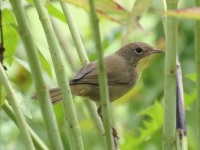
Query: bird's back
<point>120,75</point>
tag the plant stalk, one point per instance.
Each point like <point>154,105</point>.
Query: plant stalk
<point>14,102</point>
<point>41,90</point>
<point>197,51</point>
<point>74,32</point>
<point>75,137</point>
<point>62,39</point>
<point>84,59</point>
<point>169,126</point>
<point>105,102</point>
<point>36,140</point>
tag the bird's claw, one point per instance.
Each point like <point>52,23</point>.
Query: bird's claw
<point>115,134</point>
<point>116,138</point>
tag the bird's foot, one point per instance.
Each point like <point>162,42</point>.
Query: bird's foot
<point>115,138</point>
<point>114,133</point>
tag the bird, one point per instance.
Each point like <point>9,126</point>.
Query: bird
<point>123,70</point>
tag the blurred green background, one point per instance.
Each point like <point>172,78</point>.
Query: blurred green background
<point>137,116</point>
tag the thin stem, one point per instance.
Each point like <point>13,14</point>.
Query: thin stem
<point>74,32</point>
<point>63,42</point>
<point>41,90</point>
<point>91,107</point>
<point>180,111</point>
<point>1,28</point>
<point>36,140</point>
<point>14,102</point>
<point>164,5</point>
<point>97,121</point>
<point>170,80</point>
<point>105,103</point>
<point>63,82</point>
<point>197,50</point>
<point>84,59</point>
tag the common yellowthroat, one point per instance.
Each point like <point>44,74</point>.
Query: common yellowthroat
<point>123,69</point>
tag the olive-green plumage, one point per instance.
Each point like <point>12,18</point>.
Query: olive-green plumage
<point>123,69</point>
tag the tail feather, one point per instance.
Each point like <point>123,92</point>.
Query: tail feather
<point>77,90</point>
<point>56,95</point>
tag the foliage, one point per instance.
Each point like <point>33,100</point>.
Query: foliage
<point>150,127</point>
<point>10,34</point>
<point>141,132</point>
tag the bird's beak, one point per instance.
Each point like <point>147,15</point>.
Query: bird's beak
<point>154,51</point>
<point>157,51</point>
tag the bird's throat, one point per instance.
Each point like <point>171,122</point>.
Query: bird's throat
<point>142,63</point>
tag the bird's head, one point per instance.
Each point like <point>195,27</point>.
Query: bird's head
<point>137,53</point>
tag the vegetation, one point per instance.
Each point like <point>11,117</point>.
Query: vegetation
<point>37,56</point>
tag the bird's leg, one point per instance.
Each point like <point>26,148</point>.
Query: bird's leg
<point>114,132</point>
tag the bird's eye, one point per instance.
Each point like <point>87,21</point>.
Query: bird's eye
<point>138,50</point>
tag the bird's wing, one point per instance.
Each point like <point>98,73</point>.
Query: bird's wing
<point>116,71</point>
<point>85,70</point>
<point>87,74</point>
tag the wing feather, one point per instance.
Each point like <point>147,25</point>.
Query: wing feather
<point>116,70</point>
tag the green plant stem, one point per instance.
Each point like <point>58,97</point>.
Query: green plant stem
<point>91,107</point>
<point>97,121</point>
<point>74,32</point>
<point>164,7</point>
<point>14,102</point>
<point>105,102</point>
<point>84,59</point>
<point>182,141</point>
<point>41,90</point>
<point>170,80</point>
<point>63,82</point>
<point>62,39</point>
<point>36,140</point>
<point>197,50</point>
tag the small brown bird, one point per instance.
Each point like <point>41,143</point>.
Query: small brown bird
<point>123,69</point>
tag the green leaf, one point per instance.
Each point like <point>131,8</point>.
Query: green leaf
<point>192,77</point>
<point>10,35</point>
<point>45,64</point>
<point>8,17</point>
<point>106,8</point>
<point>186,13</point>
<point>190,98</point>
<point>55,12</point>
<point>155,112</point>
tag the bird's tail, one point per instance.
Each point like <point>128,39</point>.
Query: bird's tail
<point>55,95</point>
